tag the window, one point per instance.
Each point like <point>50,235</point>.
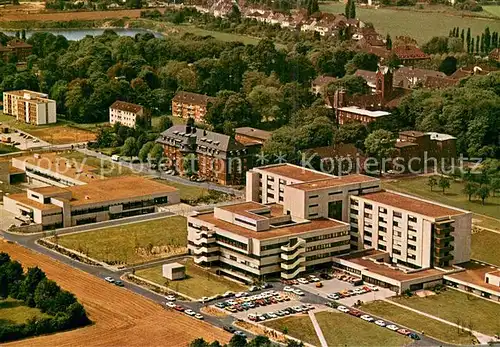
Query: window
<point>35,196</point>
<point>368,206</point>
<point>313,215</point>
<point>382,248</point>
<point>382,229</point>
<point>412,219</point>
<point>313,205</point>
<point>382,210</point>
<point>398,214</point>
<point>313,196</point>
<point>367,243</point>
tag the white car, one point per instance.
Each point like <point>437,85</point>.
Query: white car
<point>309,306</point>
<point>392,327</point>
<point>302,281</point>
<point>372,287</point>
<point>170,304</point>
<point>333,296</point>
<point>272,315</point>
<point>170,298</point>
<point>190,312</point>
<point>297,309</point>
<point>343,309</point>
<point>313,279</point>
<point>367,318</point>
<point>109,279</point>
<point>380,323</point>
<point>288,289</point>
<point>298,292</point>
<point>359,291</point>
<point>198,316</point>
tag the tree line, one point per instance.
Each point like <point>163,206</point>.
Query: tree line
<point>34,289</point>
<point>240,341</point>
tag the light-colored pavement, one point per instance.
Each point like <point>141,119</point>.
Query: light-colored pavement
<point>26,141</point>
<point>318,330</point>
<point>269,308</point>
<point>483,339</point>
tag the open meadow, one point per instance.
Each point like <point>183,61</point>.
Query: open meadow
<point>420,25</point>
<point>120,317</point>
<point>16,312</point>
<point>130,243</point>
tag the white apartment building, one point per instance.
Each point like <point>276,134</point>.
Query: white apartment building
<point>415,233</point>
<point>125,113</point>
<point>251,240</point>
<point>30,107</point>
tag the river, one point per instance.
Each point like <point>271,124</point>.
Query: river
<point>78,34</point>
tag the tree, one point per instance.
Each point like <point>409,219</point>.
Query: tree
<point>470,189</point>
<point>23,34</point>
<point>129,148</point>
<point>487,40</point>
<point>145,150</point>
<point>164,123</point>
<point>347,11</point>
<point>199,342</point>
<point>380,144</point>
<point>156,153</point>
<point>363,61</point>
<point>468,40</point>
<point>478,43</point>
<point>260,341</point>
<point>462,36</point>
<point>190,122</point>
<point>483,193</point>
<point>448,65</point>
<point>352,132</point>
<point>432,182</point>
<point>27,288</point>
<point>294,343</point>
<point>388,42</point>
<point>45,293</point>
<point>237,341</point>
<point>443,183</point>
<point>352,11</point>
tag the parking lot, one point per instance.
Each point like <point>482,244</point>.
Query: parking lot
<point>26,141</point>
<point>335,285</point>
<point>267,309</point>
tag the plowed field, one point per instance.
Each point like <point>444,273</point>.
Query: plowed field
<point>121,317</point>
<point>14,16</point>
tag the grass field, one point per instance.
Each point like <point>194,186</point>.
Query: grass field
<point>493,10</point>
<point>15,312</point>
<point>453,197</point>
<point>198,282</point>
<point>103,167</point>
<point>455,306</point>
<point>420,25</point>
<point>419,323</point>
<point>299,327</point>
<point>4,149</point>
<point>485,246</point>
<point>187,192</point>
<point>131,243</point>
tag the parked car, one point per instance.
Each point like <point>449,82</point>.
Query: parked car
<point>220,305</point>
<point>229,329</point>
<point>325,276</point>
<point>343,309</point>
<point>288,289</point>
<point>170,304</point>
<point>380,323</point>
<point>298,292</point>
<point>333,296</point>
<point>252,317</point>
<point>198,316</point>
<point>266,285</point>
<point>253,289</point>
<point>170,298</point>
<point>119,283</point>
<point>392,327</point>
<point>179,308</point>
<point>355,313</point>
<point>367,318</point>
<point>414,336</point>
<point>372,287</point>
<point>109,279</point>
<point>404,332</point>
<point>190,312</point>
<point>302,281</point>
<point>319,285</point>
<point>240,333</point>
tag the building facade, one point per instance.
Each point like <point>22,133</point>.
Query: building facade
<point>20,49</point>
<point>212,156</point>
<point>126,113</point>
<point>56,207</point>
<point>30,107</point>
<point>190,105</point>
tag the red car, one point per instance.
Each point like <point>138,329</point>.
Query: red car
<point>404,332</point>
<point>239,308</point>
<point>179,308</point>
<point>355,313</point>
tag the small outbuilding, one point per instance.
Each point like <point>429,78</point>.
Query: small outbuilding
<point>174,271</point>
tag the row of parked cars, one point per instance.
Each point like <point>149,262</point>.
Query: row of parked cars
<point>248,302</point>
<point>308,279</point>
<point>259,317</point>
<point>179,308</point>
<point>352,292</point>
<point>342,276</point>
<point>113,281</point>
<point>230,294</point>
<point>379,322</point>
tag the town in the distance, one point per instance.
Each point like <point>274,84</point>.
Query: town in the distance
<point>250,173</point>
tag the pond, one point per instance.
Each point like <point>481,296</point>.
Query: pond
<point>78,34</point>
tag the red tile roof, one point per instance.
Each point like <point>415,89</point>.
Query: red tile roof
<point>408,52</point>
<point>126,106</point>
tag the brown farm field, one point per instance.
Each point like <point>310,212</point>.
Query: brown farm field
<point>121,318</point>
<point>59,135</point>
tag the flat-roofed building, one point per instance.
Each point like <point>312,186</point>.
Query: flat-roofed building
<point>30,107</point>
<point>476,278</point>
<point>56,207</point>
<point>307,193</point>
<point>354,113</point>
<point>126,113</point>
<point>415,232</point>
<point>252,240</point>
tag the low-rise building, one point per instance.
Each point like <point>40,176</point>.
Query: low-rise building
<point>57,207</point>
<point>190,105</point>
<point>354,113</point>
<point>20,49</point>
<point>249,136</point>
<point>319,84</point>
<point>476,278</point>
<point>206,154</point>
<point>126,113</point>
<point>30,107</point>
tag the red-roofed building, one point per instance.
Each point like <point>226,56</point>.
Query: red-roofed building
<point>409,54</point>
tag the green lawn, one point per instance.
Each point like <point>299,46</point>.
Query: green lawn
<point>455,306</point>
<point>492,9</point>
<point>299,327</point>
<point>187,193</point>
<point>485,246</point>
<point>419,323</point>
<point>198,282</point>
<point>4,149</point>
<point>103,167</point>
<point>453,197</point>
<point>131,243</point>
<point>420,25</point>
<point>15,312</point>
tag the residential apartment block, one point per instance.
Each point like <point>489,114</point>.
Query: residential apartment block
<point>126,113</point>
<point>20,49</point>
<point>215,157</point>
<point>30,107</point>
<point>57,207</point>
<point>415,233</point>
<point>190,105</point>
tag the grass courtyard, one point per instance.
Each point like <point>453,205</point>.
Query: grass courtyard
<point>198,282</point>
<point>419,323</point>
<point>485,215</point>
<point>455,307</point>
<point>105,168</point>
<point>339,329</point>
<point>485,246</point>
<point>130,243</point>
<point>4,149</point>
<point>420,25</point>
<point>15,312</point>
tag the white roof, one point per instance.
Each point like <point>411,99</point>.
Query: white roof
<point>440,137</point>
<point>364,112</point>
